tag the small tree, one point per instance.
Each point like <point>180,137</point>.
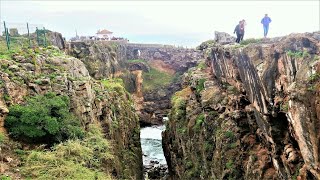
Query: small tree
<point>44,118</point>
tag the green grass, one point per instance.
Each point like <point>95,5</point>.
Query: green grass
<point>3,177</point>
<point>156,79</point>
<point>202,65</point>
<point>2,137</point>
<point>74,159</point>
<point>249,41</point>
<point>113,84</point>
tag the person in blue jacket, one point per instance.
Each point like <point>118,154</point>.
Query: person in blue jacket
<point>266,21</point>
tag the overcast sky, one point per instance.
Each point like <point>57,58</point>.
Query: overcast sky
<point>186,23</point>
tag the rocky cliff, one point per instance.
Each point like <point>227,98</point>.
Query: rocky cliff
<point>106,103</point>
<point>252,113</point>
<point>149,71</point>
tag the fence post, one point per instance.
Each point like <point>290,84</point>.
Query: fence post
<point>45,40</point>
<point>37,32</point>
<point>7,36</point>
<point>29,35</point>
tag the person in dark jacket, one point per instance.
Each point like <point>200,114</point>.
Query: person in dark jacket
<point>266,21</point>
<point>238,32</point>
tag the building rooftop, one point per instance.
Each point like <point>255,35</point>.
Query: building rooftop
<point>104,31</point>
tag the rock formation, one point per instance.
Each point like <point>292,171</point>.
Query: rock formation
<point>253,113</point>
<point>118,59</point>
<point>39,70</point>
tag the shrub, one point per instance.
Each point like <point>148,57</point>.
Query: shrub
<point>229,164</point>
<point>43,118</point>
<point>74,159</point>
<point>200,119</point>
<point>229,134</point>
<point>202,65</point>
<point>200,85</point>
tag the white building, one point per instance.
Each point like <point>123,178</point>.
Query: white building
<point>104,34</point>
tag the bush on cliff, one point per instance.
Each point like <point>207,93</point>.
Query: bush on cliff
<point>44,118</point>
<point>74,159</point>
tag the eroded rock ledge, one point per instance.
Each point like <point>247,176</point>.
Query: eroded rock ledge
<point>253,113</point>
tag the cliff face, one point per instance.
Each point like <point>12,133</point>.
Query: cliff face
<point>160,81</point>
<point>149,71</point>
<point>102,59</point>
<point>42,70</point>
<point>253,113</point>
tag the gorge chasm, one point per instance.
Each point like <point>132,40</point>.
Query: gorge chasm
<point>234,111</point>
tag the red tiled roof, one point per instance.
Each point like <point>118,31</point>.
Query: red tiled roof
<point>104,31</point>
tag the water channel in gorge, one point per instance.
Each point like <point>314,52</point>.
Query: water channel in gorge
<point>154,162</point>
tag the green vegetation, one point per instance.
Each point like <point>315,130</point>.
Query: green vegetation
<point>284,107</point>
<point>229,164</point>
<point>229,134</point>
<point>202,65</point>
<point>181,130</point>
<point>156,79</point>
<point>233,145</point>
<point>1,138</point>
<point>44,118</point>
<point>114,84</point>
<point>74,159</point>
<point>16,44</point>
<point>314,77</point>
<point>6,97</point>
<point>298,54</point>
<point>208,146</point>
<point>200,85</point>
<point>3,177</point>
<point>249,41</point>
<point>200,119</point>
<point>206,44</point>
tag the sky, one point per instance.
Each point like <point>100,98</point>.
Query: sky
<point>180,23</point>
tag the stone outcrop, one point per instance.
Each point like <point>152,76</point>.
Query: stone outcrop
<point>252,114</point>
<point>38,71</point>
<point>223,38</point>
<point>57,40</point>
<point>103,59</point>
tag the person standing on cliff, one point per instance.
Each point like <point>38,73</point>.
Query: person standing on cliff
<point>266,21</point>
<point>242,24</point>
<point>238,32</point>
